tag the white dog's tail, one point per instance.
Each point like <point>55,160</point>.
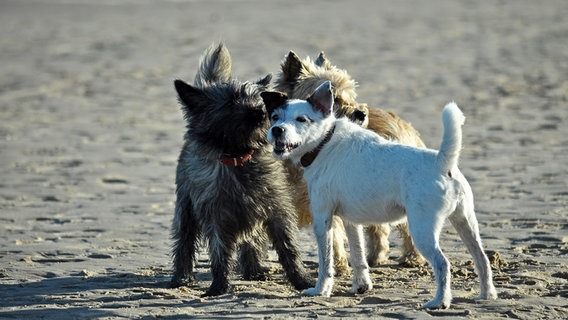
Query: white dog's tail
<point>449,152</point>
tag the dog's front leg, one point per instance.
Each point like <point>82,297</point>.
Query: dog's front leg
<point>186,233</point>
<point>324,237</point>
<point>282,231</point>
<point>361,277</point>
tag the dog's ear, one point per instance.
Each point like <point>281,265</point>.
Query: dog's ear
<point>273,100</point>
<point>322,61</point>
<point>291,67</point>
<point>264,82</point>
<point>214,66</point>
<point>322,99</point>
<point>358,117</point>
<point>189,96</point>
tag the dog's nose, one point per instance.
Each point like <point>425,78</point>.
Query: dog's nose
<point>277,132</point>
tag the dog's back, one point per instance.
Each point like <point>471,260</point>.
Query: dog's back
<point>356,159</point>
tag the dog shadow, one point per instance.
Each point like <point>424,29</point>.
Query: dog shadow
<point>79,295</point>
<point>83,296</point>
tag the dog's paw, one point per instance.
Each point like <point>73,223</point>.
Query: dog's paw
<point>489,295</point>
<point>303,282</point>
<point>321,289</point>
<point>361,280</point>
<point>177,282</point>
<point>376,259</point>
<point>213,293</point>
<point>360,288</point>
<point>311,292</point>
<point>216,290</point>
<point>411,259</point>
<point>341,266</point>
<point>436,304</point>
<point>258,274</point>
<point>316,292</point>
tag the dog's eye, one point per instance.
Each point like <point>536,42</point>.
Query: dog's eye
<point>301,119</point>
<point>274,118</point>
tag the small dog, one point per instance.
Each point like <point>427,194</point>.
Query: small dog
<point>230,190</point>
<point>365,178</point>
<point>298,79</point>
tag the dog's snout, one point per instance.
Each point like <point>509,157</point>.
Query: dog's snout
<point>277,131</point>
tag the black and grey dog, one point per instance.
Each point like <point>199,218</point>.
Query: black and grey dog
<point>231,192</point>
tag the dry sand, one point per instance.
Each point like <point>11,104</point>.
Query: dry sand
<point>90,131</point>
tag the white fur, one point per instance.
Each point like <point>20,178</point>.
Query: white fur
<point>365,178</point>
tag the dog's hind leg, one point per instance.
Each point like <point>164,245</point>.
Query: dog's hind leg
<point>282,231</point>
<point>361,278</point>
<point>377,243</point>
<point>340,255</point>
<point>465,222</point>
<point>425,227</point>
<point>410,256</point>
<point>251,253</point>
<point>222,246</point>
<point>185,233</point>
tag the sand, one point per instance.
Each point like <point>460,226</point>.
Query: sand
<point>90,131</point>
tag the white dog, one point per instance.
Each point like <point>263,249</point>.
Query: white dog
<point>365,178</point>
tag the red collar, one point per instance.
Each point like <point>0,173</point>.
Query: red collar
<point>235,161</point>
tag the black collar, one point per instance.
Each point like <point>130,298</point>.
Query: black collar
<point>309,157</point>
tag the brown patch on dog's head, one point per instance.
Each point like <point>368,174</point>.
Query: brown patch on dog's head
<point>300,78</point>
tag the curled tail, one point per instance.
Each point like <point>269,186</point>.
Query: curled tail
<point>449,152</point>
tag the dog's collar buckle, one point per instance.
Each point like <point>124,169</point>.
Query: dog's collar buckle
<point>235,161</point>
<point>309,157</point>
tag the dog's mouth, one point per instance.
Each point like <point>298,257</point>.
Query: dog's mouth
<point>281,147</point>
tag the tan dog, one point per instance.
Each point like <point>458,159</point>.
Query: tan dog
<point>298,79</point>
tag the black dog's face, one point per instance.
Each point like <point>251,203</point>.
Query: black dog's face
<point>229,117</point>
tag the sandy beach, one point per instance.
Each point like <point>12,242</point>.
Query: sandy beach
<point>90,131</point>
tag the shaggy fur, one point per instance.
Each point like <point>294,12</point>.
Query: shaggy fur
<point>298,79</point>
<point>231,192</point>
<point>365,178</point>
